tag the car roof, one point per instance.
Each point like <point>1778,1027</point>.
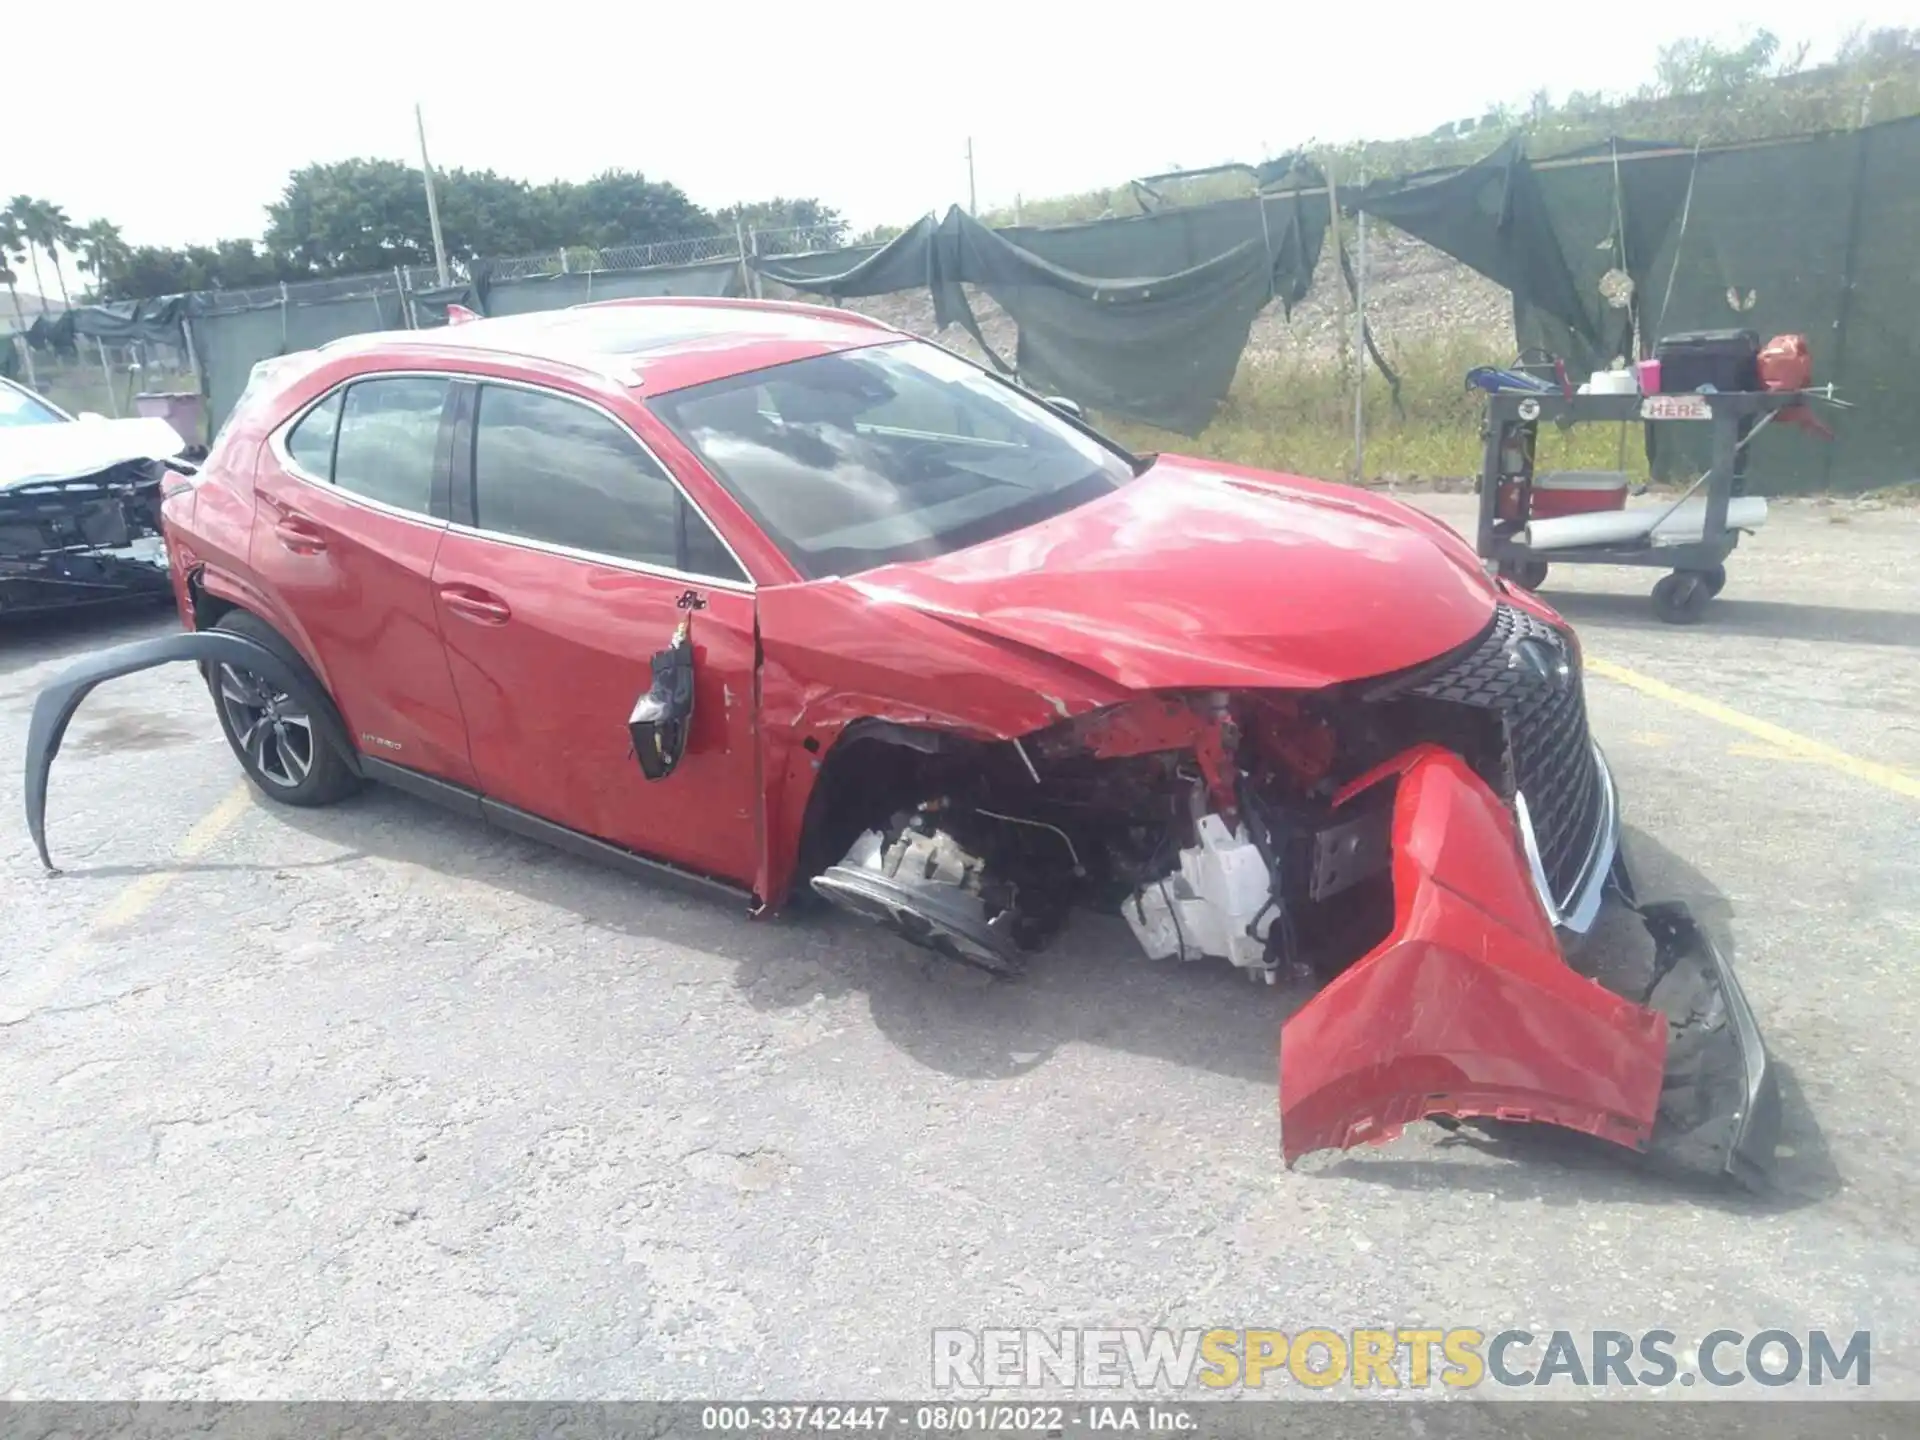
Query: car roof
<point>654,345</point>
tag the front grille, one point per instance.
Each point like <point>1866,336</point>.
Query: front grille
<point>1545,715</point>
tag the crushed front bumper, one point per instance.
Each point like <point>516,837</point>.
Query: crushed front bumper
<point>81,541</point>
<point>1470,1009</point>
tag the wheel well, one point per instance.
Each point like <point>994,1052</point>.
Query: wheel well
<point>207,608</point>
<point>873,770</point>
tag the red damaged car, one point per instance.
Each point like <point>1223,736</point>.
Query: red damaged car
<point>776,599</point>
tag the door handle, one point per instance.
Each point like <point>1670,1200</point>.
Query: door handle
<point>476,605</point>
<point>299,536</point>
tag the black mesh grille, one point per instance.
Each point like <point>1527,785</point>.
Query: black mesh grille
<point>1545,715</point>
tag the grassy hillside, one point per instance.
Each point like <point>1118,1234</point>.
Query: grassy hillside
<point>1295,414</point>
<point>1292,409</point>
<point>1705,92</point>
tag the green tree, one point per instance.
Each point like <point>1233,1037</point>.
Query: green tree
<point>152,270</point>
<point>1863,46</point>
<point>23,213</point>
<point>46,226</point>
<point>12,245</point>
<point>482,213</point>
<point>619,207</point>
<point>1693,67</point>
<point>104,253</point>
<point>363,215</point>
<point>829,227</point>
<point>351,215</point>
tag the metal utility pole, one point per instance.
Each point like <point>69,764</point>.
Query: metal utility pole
<point>973,200</point>
<point>433,201</point>
<point>1360,347</point>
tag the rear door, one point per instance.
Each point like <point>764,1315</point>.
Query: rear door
<point>352,506</point>
<point>573,558</point>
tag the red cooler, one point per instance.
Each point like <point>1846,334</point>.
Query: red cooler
<point>1566,492</point>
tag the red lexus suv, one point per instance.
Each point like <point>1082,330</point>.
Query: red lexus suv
<point>778,600</point>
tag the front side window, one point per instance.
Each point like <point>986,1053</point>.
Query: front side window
<point>888,453</point>
<point>389,433</point>
<point>551,469</point>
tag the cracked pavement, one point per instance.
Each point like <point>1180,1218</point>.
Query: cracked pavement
<point>372,1102</point>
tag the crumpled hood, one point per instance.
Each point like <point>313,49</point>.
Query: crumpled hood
<point>1201,575</point>
<point>33,454</point>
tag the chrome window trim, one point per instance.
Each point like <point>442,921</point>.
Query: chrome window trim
<point>618,561</point>
<point>277,443</point>
<point>613,562</point>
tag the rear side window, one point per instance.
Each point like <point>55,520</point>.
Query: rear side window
<point>311,441</point>
<point>551,469</point>
<point>389,432</point>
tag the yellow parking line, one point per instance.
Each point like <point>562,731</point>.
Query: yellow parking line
<point>1800,747</point>
<point>132,902</point>
<point>69,961</point>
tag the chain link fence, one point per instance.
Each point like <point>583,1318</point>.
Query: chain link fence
<point>230,331</point>
<point>572,259</point>
<point>688,250</point>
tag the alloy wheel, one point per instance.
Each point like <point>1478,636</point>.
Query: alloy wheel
<point>269,727</point>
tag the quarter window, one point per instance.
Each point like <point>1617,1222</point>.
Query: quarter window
<point>311,441</point>
<point>551,469</point>
<point>389,432</point>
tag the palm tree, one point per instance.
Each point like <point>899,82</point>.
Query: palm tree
<point>52,229</point>
<point>103,252</point>
<point>11,242</point>
<point>23,215</point>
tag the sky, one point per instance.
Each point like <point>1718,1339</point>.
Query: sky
<point>182,123</point>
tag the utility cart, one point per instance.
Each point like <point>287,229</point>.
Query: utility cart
<point>1690,537</point>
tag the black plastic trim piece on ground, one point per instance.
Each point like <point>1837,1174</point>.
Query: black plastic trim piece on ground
<point>1739,1142</point>
<point>54,709</point>
<point>1731,1062</point>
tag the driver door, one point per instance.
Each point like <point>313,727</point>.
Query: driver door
<point>573,559</point>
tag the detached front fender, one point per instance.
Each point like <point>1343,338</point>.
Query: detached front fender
<point>55,707</point>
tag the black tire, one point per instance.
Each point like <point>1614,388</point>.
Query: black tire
<point>283,752</point>
<point>1681,598</point>
<point>1527,574</point>
<point>1716,578</point>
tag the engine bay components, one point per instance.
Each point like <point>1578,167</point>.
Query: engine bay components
<point>1373,841</point>
<point>921,884</point>
<point>1218,902</point>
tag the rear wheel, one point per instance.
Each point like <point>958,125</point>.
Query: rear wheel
<point>272,731</point>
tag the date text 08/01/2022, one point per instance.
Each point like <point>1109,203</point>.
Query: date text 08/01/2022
<point>971,1418</point>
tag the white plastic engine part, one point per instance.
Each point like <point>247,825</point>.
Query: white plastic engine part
<point>1207,906</point>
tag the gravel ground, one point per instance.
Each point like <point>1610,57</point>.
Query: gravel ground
<point>372,1102</point>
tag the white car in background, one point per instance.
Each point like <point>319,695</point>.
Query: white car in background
<point>79,505</point>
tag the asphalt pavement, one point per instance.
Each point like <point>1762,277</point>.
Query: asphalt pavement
<point>374,1102</point>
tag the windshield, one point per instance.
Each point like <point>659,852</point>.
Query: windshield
<point>897,452</point>
<point>17,407</point>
